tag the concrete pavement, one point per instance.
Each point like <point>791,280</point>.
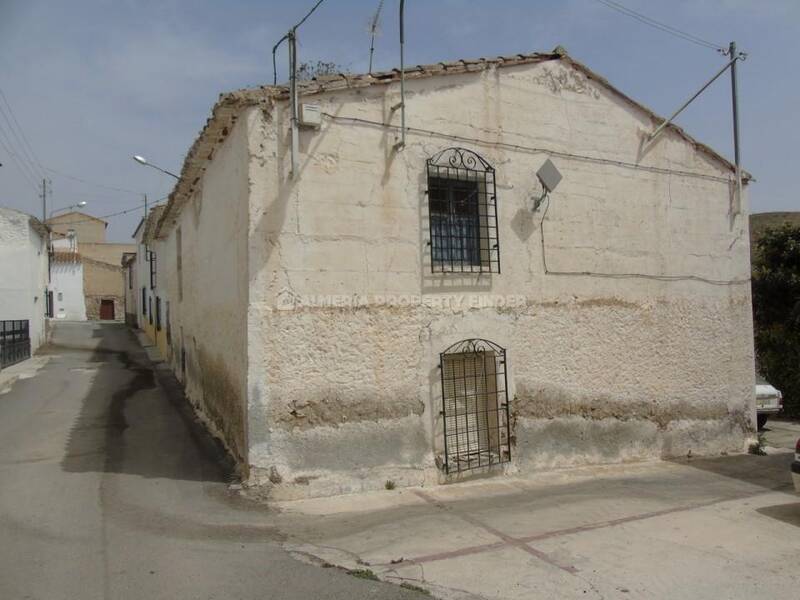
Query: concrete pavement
<point>109,489</point>
<point>725,527</point>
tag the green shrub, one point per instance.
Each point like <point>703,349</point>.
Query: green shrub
<point>776,311</point>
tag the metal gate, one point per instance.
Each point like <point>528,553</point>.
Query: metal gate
<point>475,411</point>
<point>15,342</point>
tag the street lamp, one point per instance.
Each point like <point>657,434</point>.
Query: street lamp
<point>143,161</point>
<point>80,204</point>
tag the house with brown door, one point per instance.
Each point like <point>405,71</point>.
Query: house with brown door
<point>103,284</point>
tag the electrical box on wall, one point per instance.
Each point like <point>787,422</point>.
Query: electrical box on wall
<point>310,115</point>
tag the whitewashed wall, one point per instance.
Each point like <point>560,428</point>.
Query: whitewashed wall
<point>23,273</point>
<point>142,280</point>
<point>208,321</point>
<point>66,283</point>
<point>67,286</point>
<point>601,369</point>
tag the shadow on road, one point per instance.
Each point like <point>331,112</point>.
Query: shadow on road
<point>787,513</point>
<point>770,472</point>
<point>135,418</point>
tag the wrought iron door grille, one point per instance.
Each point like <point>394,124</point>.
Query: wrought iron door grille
<point>15,342</point>
<point>475,411</point>
<point>462,210</point>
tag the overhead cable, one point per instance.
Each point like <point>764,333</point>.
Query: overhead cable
<point>87,182</point>
<point>286,37</point>
<point>532,149</point>
<point>612,4</point>
<point>17,160</point>
<point>116,214</point>
<point>604,275</point>
<point>22,139</point>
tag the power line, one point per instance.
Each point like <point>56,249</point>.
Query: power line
<point>26,145</point>
<point>32,177</point>
<point>659,25</point>
<point>286,36</point>
<point>532,149</point>
<point>116,214</point>
<point>18,162</point>
<point>19,158</point>
<point>651,276</point>
<point>373,28</point>
<point>87,182</point>
<point>22,153</point>
<point>28,155</point>
<point>309,13</point>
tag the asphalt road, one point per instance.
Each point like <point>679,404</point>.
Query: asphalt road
<point>109,489</point>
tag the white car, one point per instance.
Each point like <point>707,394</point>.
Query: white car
<point>769,401</point>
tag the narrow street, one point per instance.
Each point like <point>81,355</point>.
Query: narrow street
<point>109,489</point>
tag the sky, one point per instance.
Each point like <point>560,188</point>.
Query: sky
<point>92,82</point>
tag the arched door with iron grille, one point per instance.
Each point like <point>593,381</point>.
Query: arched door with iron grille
<point>475,410</point>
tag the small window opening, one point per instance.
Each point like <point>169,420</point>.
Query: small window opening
<point>462,205</point>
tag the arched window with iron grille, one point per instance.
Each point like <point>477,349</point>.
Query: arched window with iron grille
<point>475,410</point>
<point>462,208</point>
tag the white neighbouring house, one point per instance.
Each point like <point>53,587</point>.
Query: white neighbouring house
<point>24,273</point>
<point>410,313</point>
<point>67,279</point>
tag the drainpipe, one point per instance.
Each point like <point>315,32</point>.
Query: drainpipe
<point>402,143</point>
<point>292,37</point>
<point>735,101</point>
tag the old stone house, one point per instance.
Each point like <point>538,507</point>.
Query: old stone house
<point>95,260</point>
<point>357,309</point>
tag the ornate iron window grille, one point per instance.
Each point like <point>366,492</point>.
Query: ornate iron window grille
<point>462,209</point>
<point>475,410</point>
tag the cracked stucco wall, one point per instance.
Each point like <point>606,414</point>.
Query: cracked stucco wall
<point>601,369</point>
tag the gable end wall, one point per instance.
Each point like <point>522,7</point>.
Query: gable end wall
<point>346,320</point>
